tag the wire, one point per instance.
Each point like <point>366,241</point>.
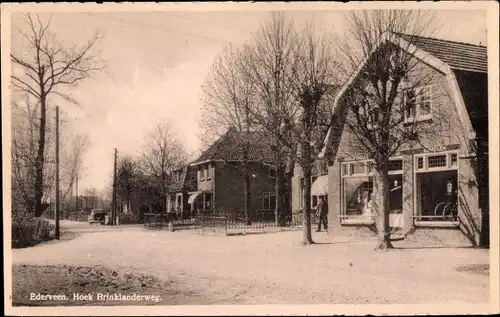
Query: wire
<point>155,27</point>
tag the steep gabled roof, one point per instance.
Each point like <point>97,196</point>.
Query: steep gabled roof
<point>187,180</point>
<point>451,58</point>
<point>228,148</point>
<point>457,55</point>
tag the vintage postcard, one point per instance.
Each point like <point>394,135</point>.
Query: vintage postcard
<point>250,158</point>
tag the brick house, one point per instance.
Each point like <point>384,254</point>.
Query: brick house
<point>182,182</point>
<point>220,179</point>
<point>447,171</point>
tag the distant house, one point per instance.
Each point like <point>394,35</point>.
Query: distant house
<point>182,182</point>
<point>85,203</point>
<point>439,188</point>
<point>220,179</point>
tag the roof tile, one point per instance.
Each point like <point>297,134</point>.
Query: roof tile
<point>458,55</point>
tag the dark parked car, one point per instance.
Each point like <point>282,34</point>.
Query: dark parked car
<point>97,216</point>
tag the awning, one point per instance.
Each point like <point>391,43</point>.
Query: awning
<point>192,198</point>
<point>320,186</point>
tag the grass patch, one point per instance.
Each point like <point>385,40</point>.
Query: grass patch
<point>69,280</point>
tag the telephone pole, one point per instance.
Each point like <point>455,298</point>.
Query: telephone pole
<point>113,210</point>
<point>76,196</point>
<point>57,172</point>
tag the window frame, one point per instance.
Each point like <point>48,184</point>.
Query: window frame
<point>418,117</point>
<point>416,214</point>
<point>267,196</point>
<point>345,166</point>
<point>209,172</point>
<point>448,165</point>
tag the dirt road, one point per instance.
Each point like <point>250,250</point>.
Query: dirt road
<point>275,269</point>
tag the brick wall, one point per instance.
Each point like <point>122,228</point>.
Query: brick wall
<point>446,128</point>
<point>230,186</point>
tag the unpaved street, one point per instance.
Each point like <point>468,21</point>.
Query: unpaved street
<point>274,268</point>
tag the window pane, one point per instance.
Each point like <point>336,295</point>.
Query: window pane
<point>454,160</point>
<point>438,198</point>
<point>266,201</point>
<point>425,101</point>
<point>272,201</point>
<point>358,195</point>
<point>410,103</point>
<point>344,169</point>
<point>420,162</point>
<point>357,168</point>
<point>395,165</point>
<point>436,161</point>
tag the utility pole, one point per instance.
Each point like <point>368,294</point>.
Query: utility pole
<point>113,210</point>
<point>93,195</point>
<point>76,196</point>
<point>57,172</point>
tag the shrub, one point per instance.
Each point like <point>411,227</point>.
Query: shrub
<point>127,219</point>
<point>28,231</point>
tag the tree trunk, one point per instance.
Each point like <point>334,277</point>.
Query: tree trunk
<point>382,202</point>
<point>307,236</point>
<point>39,161</point>
<point>246,175</point>
<point>287,204</point>
<point>280,212</point>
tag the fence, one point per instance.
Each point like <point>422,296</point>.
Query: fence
<point>226,223</point>
<point>154,221</point>
<point>256,221</point>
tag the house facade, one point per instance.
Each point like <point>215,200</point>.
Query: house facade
<point>182,182</point>
<point>220,178</point>
<point>439,185</point>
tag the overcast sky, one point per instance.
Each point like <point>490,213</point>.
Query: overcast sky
<point>157,62</point>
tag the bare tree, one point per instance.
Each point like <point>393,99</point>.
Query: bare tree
<point>162,154</point>
<point>49,67</point>
<point>72,163</point>
<point>227,97</point>
<point>269,60</point>
<point>314,80</point>
<point>25,130</point>
<point>385,92</point>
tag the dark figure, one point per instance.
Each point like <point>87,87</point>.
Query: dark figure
<point>322,214</point>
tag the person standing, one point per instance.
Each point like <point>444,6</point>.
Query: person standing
<point>322,214</point>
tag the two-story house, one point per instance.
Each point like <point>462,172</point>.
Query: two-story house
<point>220,179</point>
<point>439,185</point>
<point>182,182</point>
